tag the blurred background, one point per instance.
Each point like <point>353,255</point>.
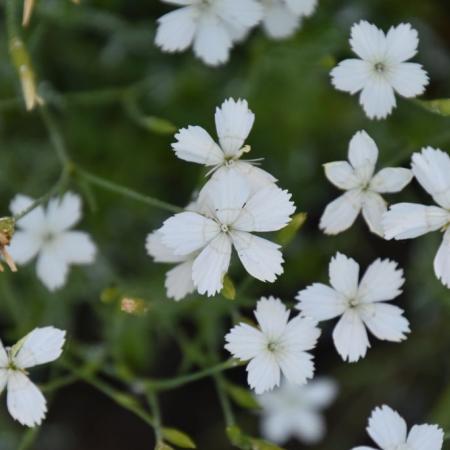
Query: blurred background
<point>87,58</point>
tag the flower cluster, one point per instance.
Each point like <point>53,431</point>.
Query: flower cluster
<point>213,27</point>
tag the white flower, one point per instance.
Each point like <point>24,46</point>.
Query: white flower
<point>48,233</point>
<point>210,26</point>
<point>25,402</point>
<point>233,213</point>
<point>389,431</point>
<point>234,120</point>
<point>431,168</point>
<point>382,69</point>
<point>358,304</point>
<point>281,18</point>
<point>179,279</point>
<point>279,345</point>
<point>295,411</point>
<point>362,187</point>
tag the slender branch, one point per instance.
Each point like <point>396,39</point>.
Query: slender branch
<point>28,438</point>
<point>125,191</point>
<point>154,406</point>
<point>224,400</point>
<point>171,383</point>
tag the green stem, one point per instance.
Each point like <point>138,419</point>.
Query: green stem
<point>59,382</point>
<point>172,383</point>
<point>224,400</point>
<point>125,191</point>
<point>154,407</point>
<point>28,438</point>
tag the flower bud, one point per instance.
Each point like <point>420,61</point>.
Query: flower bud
<point>7,226</point>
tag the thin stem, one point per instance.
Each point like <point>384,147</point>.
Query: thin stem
<point>224,400</point>
<point>154,407</point>
<point>172,383</point>
<point>28,438</point>
<point>59,382</point>
<point>125,191</point>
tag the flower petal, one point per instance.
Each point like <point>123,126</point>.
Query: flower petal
<point>176,29</point>
<point>341,174</point>
<point>25,401</point>
<point>442,260</point>
<point>425,437</point>
<point>40,346</point>
<point>409,220</point>
<point>279,22</point>
<point>390,180</point>
<point>33,221</point>
<point>272,317</point>
<point>321,302</point>
<point>63,212</point>
<point>374,206</point>
<point>269,209</point>
<point>401,43</point>
<point>382,281</point>
<point>320,392</point>
<point>340,214</point>
<point>368,41</point>
<point>24,246</point>
<point>351,75</point>
<point>241,13</point>
<point>363,155</point>
<point>160,252</point>
<point>194,144</point>
<point>297,367</point>
<point>76,247</point>
<point>261,258</point>
<point>187,232</point>
<point>245,342</point>
<point>263,373</point>
<point>301,334</point>
<point>387,428</point>
<point>179,282</point>
<point>386,322</point>
<point>211,265</point>
<point>377,98</point>
<point>344,275</point>
<point>234,120</point>
<point>302,7</point>
<point>409,79</point>
<point>431,167</point>
<point>51,268</point>
<point>350,337</point>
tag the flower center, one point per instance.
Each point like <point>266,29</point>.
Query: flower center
<point>48,237</point>
<point>353,302</point>
<point>224,228</point>
<point>229,162</point>
<point>380,67</point>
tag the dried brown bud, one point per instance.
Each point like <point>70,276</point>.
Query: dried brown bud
<point>7,226</point>
<point>134,306</point>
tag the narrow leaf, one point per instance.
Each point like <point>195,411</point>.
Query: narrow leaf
<point>241,396</point>
<point>438,106</point>
<point>178,438</point>
<point>228,290</point>
<point>287,234</point>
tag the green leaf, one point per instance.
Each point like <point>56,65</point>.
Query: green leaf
<point>260,444</point>
<point>178,438</point>
<point>238,439</point>
<point>158,125</point>
<point>163,446</point>
<point>438,106</point>
<point>241,396</point>
<point>228,290</point>
<point>287,234</point>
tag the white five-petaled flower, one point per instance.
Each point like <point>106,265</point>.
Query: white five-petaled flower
<point>295,411</point>
<point>362,187</point>
<point>234,120</point>
<point>233,213</point>
<point>178,279</point>
<point>382,69</point>
<point>389,431</point>
<point>48,233</point>
<point>431,168</point>
<point>281,18</point>
<point>25,402</point>
<point>279,345</point>
<point>358,304</point>
<point>210,26</point>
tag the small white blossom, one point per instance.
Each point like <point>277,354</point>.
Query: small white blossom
<point>382,69</point>
<point>431,168</point>
<point>389,431</point>
<point>47,234</point>
<point>279,345</point>
<point>359,304</point>
<point>295,411</point>
<point>234,120</point>
<point>282,18</point>
<point>230,213</point>
<point>210,26</point>
<point>178,282</point>
<point>25,402</point>
<point>362,186</point>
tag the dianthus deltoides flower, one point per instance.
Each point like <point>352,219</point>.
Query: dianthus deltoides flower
<point>359,304</point>
<point>281,18</point>
<point>389,431</point>
<point>234,121</point>
<point>47,233</point>
<point>210,26</point>
<point>279,346</point>
<point>231,213</point>
<point>431,168</point>
<point>382,68</point>
<point>25,401</point>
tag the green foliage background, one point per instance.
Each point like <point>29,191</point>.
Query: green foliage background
<point>86,59</point>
